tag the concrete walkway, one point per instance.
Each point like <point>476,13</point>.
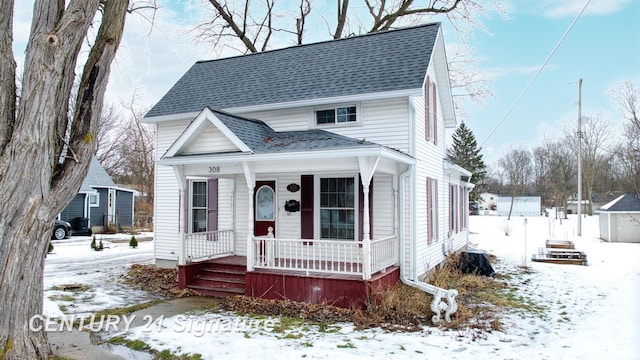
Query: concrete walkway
<point>89,345</point>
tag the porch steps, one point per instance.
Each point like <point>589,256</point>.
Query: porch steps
<point>219,278</point>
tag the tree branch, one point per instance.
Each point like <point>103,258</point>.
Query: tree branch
<point>91,91</point>
<point>240,33</point>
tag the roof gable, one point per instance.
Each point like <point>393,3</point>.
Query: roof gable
<point>625,202</point>
<point>96,177</point>
<point>199,126</point>
<point>388,61</point>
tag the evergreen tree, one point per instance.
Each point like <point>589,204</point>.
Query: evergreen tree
<point>465,153</point>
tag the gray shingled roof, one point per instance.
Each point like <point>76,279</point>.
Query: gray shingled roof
<point>96,177</point>
<point>627,202</point>
<point>261,138</point>
<point>372,63</point>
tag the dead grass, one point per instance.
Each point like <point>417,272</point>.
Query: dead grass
<point>403,308</point>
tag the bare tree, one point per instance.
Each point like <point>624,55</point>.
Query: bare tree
<point>44,152</point>
<point>540,170</point>
<point>562,171</point>
<point>126,151</point>
<point>250,26</point>
<point>596,151</point>
<point>516,165</point>
<point>627,96</point>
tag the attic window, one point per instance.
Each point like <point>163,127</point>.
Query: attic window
<point>340,115</point>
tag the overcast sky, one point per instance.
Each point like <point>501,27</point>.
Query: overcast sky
<point>603,48</point>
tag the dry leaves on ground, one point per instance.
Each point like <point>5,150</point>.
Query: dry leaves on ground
<point>156,280</point>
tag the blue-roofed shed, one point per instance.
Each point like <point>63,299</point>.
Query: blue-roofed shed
<point>99,203</point>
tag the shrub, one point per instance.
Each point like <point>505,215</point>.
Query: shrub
<point>133,242</point>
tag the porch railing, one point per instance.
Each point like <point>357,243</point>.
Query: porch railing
<point>384,253</point>
<point>325,256</point>
<point>207,245</point>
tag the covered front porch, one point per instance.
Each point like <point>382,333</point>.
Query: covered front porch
<point>307,204</point>
<point>330,228</point>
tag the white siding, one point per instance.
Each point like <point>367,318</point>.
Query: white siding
<point>385,122</point>
<point>429,163</point>
<point>242,215</point>
<point>226,194</point>
<point>210,141</point>
<point>288,224</point>
<point>167,195</point>
<point>295,119</point>
<point>383,206</point>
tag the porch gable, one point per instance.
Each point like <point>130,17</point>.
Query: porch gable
<point>207,133</point>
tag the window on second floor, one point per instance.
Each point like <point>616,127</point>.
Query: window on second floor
<point>338,115</point>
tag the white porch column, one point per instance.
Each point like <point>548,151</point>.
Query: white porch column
<point>182,246</point>
<point>396,203</point>
<point>367,168</point>
<point>250,178</point>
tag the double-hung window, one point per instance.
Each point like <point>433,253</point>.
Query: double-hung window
<point>94,200</point>
<point>337,208</point>
<point>198,206</point>
<point>339,115</point>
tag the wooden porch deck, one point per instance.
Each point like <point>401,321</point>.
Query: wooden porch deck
<point>221,277</point>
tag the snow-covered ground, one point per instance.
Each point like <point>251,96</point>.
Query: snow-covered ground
<point>590,312</point>
<point>96,274</point>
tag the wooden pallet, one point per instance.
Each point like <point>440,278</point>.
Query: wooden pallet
<point>560,256</point>
<point>560,244</point>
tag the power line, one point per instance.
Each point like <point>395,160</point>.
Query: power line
<point>537,73</point>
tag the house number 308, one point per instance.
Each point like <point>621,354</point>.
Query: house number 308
<point>214,169</point>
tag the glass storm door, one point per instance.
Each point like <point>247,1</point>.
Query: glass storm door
<point>264,200</point>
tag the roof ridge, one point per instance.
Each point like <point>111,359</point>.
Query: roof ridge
<point>359,36</point>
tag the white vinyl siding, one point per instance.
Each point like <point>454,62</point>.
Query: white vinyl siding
<point>429,157</point>
<point>166,199</point>
<point>211,141</point>
<point>385,122</point>
<point>383,206</point>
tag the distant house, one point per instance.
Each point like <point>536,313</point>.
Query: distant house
<point>488,201</point>
<point>522,206</point>
<point>314,173</point>
<point>620,219</point>
<point>100,201</point>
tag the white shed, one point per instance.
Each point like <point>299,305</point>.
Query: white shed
<point>620,219</point>
<point>522,206</point>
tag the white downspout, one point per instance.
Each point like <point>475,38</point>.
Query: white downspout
<point>437,305</point>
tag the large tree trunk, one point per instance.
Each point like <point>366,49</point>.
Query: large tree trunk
<point>46,154</point>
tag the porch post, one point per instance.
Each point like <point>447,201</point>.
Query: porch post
<point>182,251</point>
<point>366,239</point>
<point>367,168</point>
<point>250,178</point>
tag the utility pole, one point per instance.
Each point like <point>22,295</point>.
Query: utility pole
<point>580,157</point>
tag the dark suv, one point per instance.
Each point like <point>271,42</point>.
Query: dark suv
<point>61,230</point>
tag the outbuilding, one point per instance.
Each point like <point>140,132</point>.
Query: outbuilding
<point>620,219</point>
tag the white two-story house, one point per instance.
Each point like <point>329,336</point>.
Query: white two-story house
<point>316,173</point>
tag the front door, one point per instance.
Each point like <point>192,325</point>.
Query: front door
<point>264,200</point>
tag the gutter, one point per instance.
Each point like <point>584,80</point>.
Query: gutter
<point>449,305</point>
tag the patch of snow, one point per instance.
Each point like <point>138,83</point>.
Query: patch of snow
<point>588,312</point>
